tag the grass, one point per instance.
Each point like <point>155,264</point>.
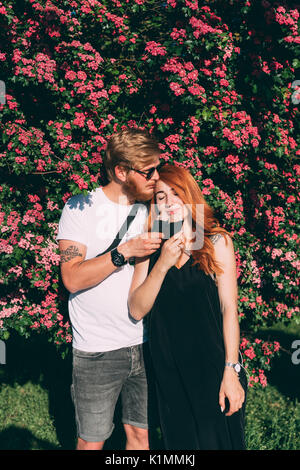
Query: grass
<point>24,417</point>
<point>36,410</point>
<point>272,421</point>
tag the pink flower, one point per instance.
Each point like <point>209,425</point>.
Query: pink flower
<point>70,75</point>
<point>232,159</point>
<point>250,353</point>
<point>22,160</point>
<point>155,48</point>
<point>192,4</point>
<point>244,343</point>
<point>81,75</point>
<point>172,3</point>
<point>114,89</point>
<point>224,82</point>
<point>178,33</point>
<point>176,88</point>
<point>79,120</point>
<point>196,90</point>
<point>205,191</point>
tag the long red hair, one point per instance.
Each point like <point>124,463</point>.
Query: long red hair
<point>189,192</point>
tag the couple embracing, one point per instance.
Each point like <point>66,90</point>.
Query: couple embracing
<point>148,265</point>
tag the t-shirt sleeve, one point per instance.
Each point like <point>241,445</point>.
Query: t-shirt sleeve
<point>73,224</point>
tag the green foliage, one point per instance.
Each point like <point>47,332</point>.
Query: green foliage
<point>213,81</point>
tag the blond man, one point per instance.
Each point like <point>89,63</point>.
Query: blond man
<point>107,343</point>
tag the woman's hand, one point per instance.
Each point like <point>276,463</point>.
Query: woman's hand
<point>232,389</point>
<point>171,251</point>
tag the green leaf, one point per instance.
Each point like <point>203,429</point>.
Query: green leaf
<point>4,335</point>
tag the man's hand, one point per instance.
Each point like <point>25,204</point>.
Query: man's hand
<point>141,246</point>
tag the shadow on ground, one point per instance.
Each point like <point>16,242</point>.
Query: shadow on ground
<point>38,361</point>
<point>14,438</point>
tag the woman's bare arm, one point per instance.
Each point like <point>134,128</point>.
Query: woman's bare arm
<point>144,288</point>
<point>227,289</point>
<point>228,292</point>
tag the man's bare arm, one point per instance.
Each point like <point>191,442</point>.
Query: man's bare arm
<point>71,252</point>
<point>78,273</point>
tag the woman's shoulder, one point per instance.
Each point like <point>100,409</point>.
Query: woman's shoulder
<point>221,240</point>
<point>215,237</point>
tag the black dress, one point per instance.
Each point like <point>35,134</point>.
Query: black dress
<point>188,355</point>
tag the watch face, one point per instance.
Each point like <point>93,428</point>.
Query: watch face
<point>237,368</point>
<point>117,258</point>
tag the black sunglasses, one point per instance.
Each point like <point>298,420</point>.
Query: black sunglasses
<point>150,172</point>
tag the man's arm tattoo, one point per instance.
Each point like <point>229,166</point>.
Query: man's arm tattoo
<point>71,252</point>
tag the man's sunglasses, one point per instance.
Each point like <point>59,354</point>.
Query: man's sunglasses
<point>150,172</point>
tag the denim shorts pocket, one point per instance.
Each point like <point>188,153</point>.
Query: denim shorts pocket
<point>87,355</point>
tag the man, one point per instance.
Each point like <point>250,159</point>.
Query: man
<point>107,342</point>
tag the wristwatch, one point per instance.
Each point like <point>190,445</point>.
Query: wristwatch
<point>117,258</point>
<point>236,367</point>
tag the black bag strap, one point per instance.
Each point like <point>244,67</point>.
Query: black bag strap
<point>122,230</point>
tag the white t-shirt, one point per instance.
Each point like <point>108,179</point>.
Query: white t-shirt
<point>99,315</point>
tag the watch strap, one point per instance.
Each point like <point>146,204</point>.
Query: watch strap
<point>236,366</point>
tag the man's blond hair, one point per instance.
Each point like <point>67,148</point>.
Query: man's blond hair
<point>130,148</point>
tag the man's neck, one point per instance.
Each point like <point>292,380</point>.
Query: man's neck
<point>114,192</point>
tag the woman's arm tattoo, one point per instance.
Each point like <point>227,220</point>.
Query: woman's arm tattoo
<point>71,252</point>
<point>215,237</point>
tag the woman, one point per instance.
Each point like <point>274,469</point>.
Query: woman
<point>190,291</point>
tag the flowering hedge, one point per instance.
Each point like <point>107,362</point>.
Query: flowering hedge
<point>215,81</point>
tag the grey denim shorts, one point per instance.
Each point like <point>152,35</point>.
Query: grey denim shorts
<point>98,380</point>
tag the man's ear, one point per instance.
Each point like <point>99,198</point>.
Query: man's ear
<point>121,172</point>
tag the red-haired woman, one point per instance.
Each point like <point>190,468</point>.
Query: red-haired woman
<point>189,289</point>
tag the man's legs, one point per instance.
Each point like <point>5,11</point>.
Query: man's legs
<point>135,402</point>
<point>97,382</point>
<point>85,445</point>
<point>137,438</point>
<point>98,379</point>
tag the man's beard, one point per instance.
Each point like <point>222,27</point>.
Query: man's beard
<point>133,193</point>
